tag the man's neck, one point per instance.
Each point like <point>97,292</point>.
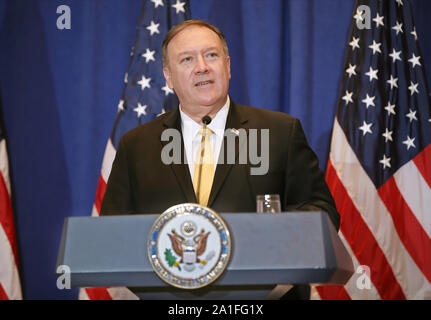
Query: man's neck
<point>200,112</point>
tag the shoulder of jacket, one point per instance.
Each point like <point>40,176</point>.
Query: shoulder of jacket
<point>274,117</point>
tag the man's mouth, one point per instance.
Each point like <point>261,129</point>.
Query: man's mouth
<point>203,83</point>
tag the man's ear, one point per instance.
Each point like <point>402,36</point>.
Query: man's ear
<point>228,64</point>
<point>167,74</point>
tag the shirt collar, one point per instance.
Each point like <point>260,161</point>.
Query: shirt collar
<point>218,123</point>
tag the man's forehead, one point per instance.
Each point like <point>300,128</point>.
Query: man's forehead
<point>195,36</point>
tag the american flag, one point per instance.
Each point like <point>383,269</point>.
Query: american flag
<point>145,96</point>
<point>10,287</point>
<point>379,168</point>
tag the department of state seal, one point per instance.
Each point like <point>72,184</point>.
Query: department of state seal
<point>189,246</point>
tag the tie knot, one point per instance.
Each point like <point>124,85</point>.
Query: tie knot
<point>205,131</point>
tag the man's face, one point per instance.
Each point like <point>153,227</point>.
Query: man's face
<point>198,69</point>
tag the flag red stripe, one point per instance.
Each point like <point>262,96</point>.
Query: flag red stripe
<point>3,295</point>
<point>6,218</point>
<point>333,293</point>
<point>101,188</point>
<point>362,241</point>
<point>411,233</point>
<point>423,163</point>
<point>98,294</point>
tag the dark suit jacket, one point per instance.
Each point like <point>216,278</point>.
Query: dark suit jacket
<point>141,183</point>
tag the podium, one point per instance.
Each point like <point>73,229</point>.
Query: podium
<point>267,249</point>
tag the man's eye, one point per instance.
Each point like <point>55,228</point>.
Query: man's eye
<point>212,55</point>
<point>186,59</point>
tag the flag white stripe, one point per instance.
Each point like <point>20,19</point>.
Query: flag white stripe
<point>122,293</point>
<point>4,165</point>
<point>94,212</point>
<point>83,294</point>
<point>108,159</point>
<point>314,294</point>
<point>374,213</point>
<point>9,277</point>
<point>351,287</point>
<point>416,193</point>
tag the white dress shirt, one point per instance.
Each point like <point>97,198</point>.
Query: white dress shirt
<point>192,138</point>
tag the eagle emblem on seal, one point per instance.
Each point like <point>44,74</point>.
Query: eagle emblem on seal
<point>188,246</point>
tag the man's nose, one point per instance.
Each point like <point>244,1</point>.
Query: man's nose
<point>201,66</point>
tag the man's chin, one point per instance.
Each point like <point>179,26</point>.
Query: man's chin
<point>211,102</point>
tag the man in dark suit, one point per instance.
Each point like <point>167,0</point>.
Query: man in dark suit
<point>197,66</point>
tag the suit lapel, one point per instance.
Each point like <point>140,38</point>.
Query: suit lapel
<point>181,171</point>
<point>235,120</point>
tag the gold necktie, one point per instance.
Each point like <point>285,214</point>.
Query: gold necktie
<point>204,172</point>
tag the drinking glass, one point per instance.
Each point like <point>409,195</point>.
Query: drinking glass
<point>268,203</point>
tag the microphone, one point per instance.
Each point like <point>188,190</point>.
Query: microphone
<point>206,120</point>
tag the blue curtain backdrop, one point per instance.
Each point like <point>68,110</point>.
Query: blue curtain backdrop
<point>60,90</point>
